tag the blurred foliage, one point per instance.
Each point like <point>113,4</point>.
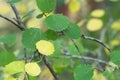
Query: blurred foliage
<point>91,16</point>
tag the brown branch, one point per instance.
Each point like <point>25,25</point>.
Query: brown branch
<point>18,18</point>
<point>96,40</point>
<point>85,58</point>
<point>33,56</point>
<point>9,20</point>
<point>50,68</point>
<point>78,50</point>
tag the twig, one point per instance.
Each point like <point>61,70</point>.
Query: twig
<point>96,40</point>
<point>26,76</point>
<point>19,21</point>
<point>85,58</point>
<point>9,20</point>
<point>33,56</point>
<point>78,50</point>
<point>50,68</point>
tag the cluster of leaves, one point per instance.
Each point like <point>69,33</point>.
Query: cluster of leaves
<point>47,44</point>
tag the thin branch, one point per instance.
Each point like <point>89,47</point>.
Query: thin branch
<point>9,20</point>
<point>78,50</point>
<point>26,76</point>
<point>33,56</point>
<point>50,68</point>
<point>19,21</point>
<point>85,58</point>
<point>96,40</point>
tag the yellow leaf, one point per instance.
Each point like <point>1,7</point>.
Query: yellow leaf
<point>98,13</point>
<point>4,8</point>
<point>32,69</point>
<point>33,23</point>
<point>74,6</point>
<point>94,24</point>
<point>10,78</point>
<point>98,76</point>
<point>116,25</point>
<point>22,8</point>
<point>45,47</point>
<point>114,42</point>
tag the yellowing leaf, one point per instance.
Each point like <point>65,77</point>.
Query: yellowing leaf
<point>114,42</point>
<point>116,25</point>
<point>94,24</point>
<point>4,8</point>
<point>98,13</point>
<point>45,47</point>
<point>98,75</point>
<point>22,8</point>
<point>33,23</point>
<point>74,6</point>
<point>10,78</point>
<point>32,69</point>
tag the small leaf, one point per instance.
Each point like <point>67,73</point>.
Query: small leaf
<point>6,57</point>
<point>73,31</point>
<point>46,6</point>
<point>115,57</point>
<point>31,36</point>
<point>15,67</point>
<point>98,13</point>
<point>39,16</point>
<point>83,72</point>
<point>94,24</point>
<point>8,39</point>
<point>50,34</point>
<point>32,69</point>
<point>45,47</point>
<point>57,22</point>
<point>29,13</point>
<point>14,1</point>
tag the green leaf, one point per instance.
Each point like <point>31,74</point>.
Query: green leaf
<point>83,72</point>
<point>14,1</point>
<point>73,31</point>
<point>46,6</point>
<point>6,57</point>
<point>57,22</point>
<point>51,35</point>
<point>8,39</point>
<point>15,67</point>
<point>28,13</point>
<point>115,57</point>
<point>31,36</point>
<point>39,16</point>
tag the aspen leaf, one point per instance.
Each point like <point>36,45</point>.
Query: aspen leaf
<point>74,6</point>
<point>45,47</point>
<point>4,8</point>
<point>15,67</point>
<point>73,31</point>
<point>83,72</point>
<point>46,6</point>
<point>98,13</point>
<point>10,78</point>
<point>115,57</point>
<point>94,24</point>
<point>31,36</point>
<point>32,69</point>
<point>115,25</point>
<point>57,22</point>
